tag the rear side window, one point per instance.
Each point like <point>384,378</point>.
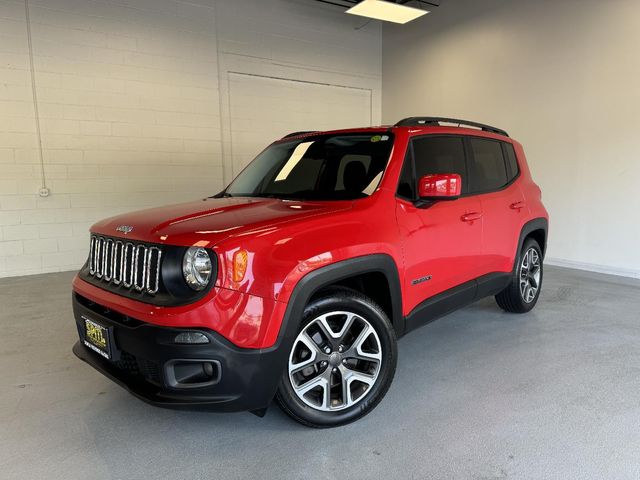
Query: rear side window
<point>512,162</point>
<point>487,168</point>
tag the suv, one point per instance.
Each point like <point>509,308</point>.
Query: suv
<point>296,280</point>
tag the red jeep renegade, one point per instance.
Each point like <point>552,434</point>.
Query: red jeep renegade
<point>295,281</point>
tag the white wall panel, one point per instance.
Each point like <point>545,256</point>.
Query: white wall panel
<point>264,109</point>
<point>560,77</point>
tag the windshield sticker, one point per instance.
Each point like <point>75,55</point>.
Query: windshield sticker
<point>376,138</point>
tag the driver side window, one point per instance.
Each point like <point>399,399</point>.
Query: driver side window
<point>431,155</point>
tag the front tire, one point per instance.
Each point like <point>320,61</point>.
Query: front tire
<point>341,363</point>
<point>522,293</point>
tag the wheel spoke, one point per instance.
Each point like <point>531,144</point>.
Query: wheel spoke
<point>318,381</point>
<point>356,350</point>
<point>377,356</point>
<point>348,324</point>
<point>365,356</point>
<point>326,394</point>
<point>310,343</point>
<point>321,381</point>
<point>350,376</point>
<point>364,334</point>
<point>298,367</point>
<point>362,377</point>
<point>323,329</point>
<point>347,399</point>
<point>311,346</point>
<point>322,321</point>
<point>530,293</point>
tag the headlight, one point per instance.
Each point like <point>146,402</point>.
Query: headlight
<point>196,268</point>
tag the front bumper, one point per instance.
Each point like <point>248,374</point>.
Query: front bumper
<point>144,358</point>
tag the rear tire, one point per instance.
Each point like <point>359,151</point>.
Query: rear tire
<point>522,294</point>
<point>342,362</point>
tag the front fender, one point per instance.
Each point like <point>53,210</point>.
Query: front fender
<point>312,281</point>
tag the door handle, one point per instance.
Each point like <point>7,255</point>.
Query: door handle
<point>470,217</point>
<point>517,205</point>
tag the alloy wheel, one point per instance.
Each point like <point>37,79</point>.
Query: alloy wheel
<point>335,360</point>
<point>530,273</point>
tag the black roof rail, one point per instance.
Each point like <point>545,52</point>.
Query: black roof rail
<point>435,121</point>
<point>303,132</point>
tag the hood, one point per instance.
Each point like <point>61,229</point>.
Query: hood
<point>212,219</point>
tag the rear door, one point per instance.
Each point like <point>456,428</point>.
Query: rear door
<point>493,169</point>
<point>442,241</point>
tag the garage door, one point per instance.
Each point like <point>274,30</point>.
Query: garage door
<point>263,109</point>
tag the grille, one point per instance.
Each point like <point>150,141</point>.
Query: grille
<point>134,266</point>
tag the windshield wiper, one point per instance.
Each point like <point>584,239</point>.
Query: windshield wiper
<point>221,195</point>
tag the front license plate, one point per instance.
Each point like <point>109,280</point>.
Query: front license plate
<point>96,337</point>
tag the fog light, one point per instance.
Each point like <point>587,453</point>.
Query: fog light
<point>191,338</point>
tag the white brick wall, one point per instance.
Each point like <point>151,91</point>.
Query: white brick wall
<point>130,104</point>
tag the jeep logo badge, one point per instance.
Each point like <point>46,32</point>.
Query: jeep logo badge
<point>124,229</point>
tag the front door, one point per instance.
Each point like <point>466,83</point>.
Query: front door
<point>442,241</point>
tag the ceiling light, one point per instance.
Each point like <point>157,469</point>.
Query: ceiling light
<point>390,12</point>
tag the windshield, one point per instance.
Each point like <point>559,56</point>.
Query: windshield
<point>321,167</point>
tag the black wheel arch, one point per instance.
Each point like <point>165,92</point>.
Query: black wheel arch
<point>537,229</point>
<point>333,274</point>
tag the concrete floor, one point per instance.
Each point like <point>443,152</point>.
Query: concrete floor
<point>480,394</point>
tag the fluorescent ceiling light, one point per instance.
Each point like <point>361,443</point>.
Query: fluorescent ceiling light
<point>390,12</point>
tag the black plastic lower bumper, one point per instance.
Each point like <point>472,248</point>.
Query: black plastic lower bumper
<point>143,359</point>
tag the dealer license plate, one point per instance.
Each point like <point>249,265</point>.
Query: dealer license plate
<point>96,337</point>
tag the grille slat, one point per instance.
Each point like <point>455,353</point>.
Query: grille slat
<point>153,281</point>
<point>134,266</point>
<point>116,265</point>
<point>92,256</point>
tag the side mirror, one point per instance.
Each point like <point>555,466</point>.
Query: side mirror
<point>441,186</point>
